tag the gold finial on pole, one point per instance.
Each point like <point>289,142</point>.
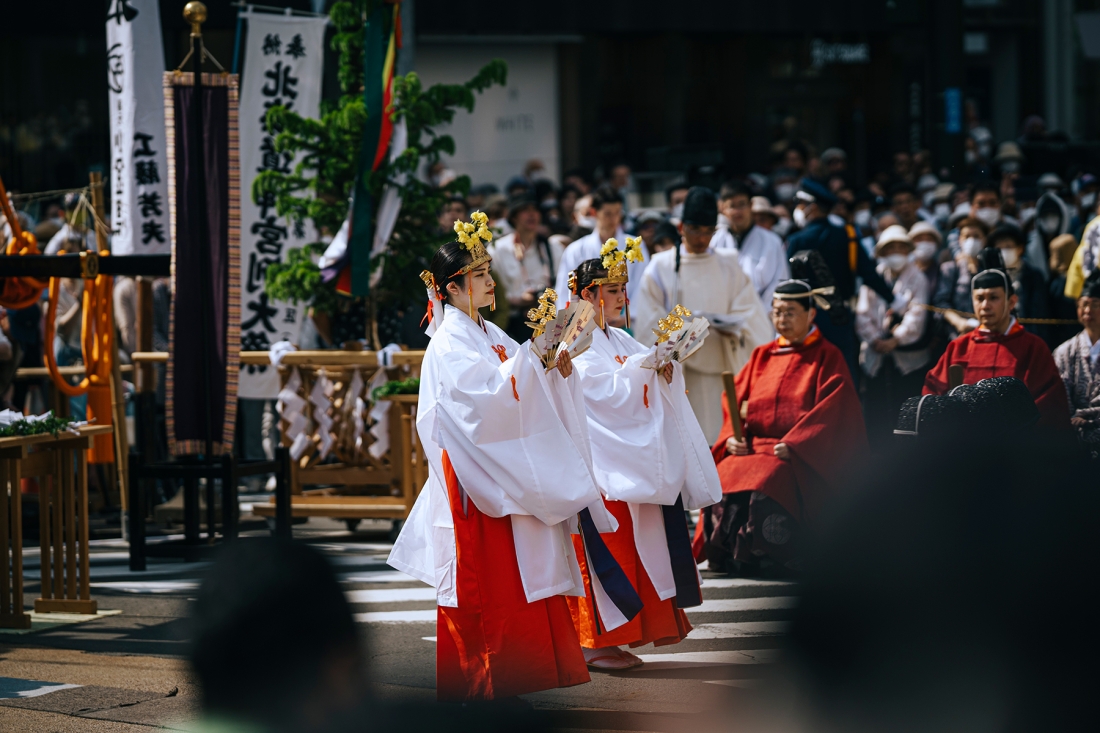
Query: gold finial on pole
<point>195,13</point>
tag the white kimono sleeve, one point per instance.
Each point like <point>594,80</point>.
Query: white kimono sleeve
<point>635,446</point>
<point>508,446</point>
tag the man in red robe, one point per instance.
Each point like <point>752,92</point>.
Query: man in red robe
<point>1000,347</point>
<point>802,429</point>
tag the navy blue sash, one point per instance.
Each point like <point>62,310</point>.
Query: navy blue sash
<point>607,569</point>
<point>688,593</point>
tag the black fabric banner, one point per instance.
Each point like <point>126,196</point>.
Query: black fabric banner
<point>204,330</point>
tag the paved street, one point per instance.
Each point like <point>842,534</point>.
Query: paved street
<point>125,672</point>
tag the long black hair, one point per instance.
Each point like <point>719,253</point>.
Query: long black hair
<point>447,261</point>
<point>586,272</point>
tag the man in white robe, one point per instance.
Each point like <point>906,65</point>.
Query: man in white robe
<point>762,255</point>
<point>607,206</point>
<point>710,283</point>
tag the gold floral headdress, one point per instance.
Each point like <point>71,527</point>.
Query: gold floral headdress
<point>473,235</point>
<point>615,259</point>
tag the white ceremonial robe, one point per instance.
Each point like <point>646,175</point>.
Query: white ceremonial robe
<point>527,459</point>
<point>762,255</point>
<point>712,285</point>
<point>647,446</point>
<point>588,248</point>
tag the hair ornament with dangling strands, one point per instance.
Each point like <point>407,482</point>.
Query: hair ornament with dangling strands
<point>615,261</point>
<point>473,235</point>
<point>433,295</point>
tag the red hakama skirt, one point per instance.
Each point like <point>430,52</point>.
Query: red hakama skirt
<point>495,644</point>
<point>659,622</point>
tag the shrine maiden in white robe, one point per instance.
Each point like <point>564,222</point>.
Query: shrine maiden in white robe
<point>647,446</point>
<point>525,458</point>
<point>714,286</point>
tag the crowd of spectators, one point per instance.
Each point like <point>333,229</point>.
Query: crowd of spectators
<point>919,229</point>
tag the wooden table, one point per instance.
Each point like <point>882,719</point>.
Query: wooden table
<point>63,522</point>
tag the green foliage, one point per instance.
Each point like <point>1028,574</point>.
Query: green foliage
<point>298,279</point>
<point>327,150</point>
<point>402,386</point>
<point>52,425</point>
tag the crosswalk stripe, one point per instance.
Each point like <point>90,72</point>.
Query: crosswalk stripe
<point>745,583</point>
<point>725,605</point>
<point>378,576</point>
<point>749,684</point>
<point>675,660</point>
<point>396,617</point>
<point>148,586</point>
<point>390,595</point>
<point>740,630</point>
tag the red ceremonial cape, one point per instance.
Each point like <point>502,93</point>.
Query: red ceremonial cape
<point>803,396</point>
<point>496,644</point>
<point>659,622</point>
<point>1017,353</point>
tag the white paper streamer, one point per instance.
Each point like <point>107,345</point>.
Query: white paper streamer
<point>291,408</point>
<point>379,417</point>
<point>354,407</point>
<point>321,399</point>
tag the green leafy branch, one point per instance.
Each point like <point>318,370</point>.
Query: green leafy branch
<point>327,150</point>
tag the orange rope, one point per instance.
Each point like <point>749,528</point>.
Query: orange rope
<point>98,347</point>
<point>97,332</point>
<point>18,292</point>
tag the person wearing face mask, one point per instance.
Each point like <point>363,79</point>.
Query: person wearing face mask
<point>1000,347</point>
<point>1052,219</point>
<point>1085,259</point>
<point>845,258</point>
<point>985,203</point>
<point>675,193</point>
<point>1087,188</point>
<point>895,345</point>
<point>953,289</point>
<point>1027,280</point>
<point>927,240</point>
<point>784,184</point>
<point>763,215</point>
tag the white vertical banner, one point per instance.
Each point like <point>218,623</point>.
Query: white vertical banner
<point>283,65</point>
<point>135,69</point>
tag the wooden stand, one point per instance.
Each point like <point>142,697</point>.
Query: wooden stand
<point>11,548</point>
<point>63,517</point>
<point>358,486</point>
<point>408,458</point>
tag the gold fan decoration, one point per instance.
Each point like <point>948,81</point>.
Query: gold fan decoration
<point>546,312</point>
<point>671,323</point>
